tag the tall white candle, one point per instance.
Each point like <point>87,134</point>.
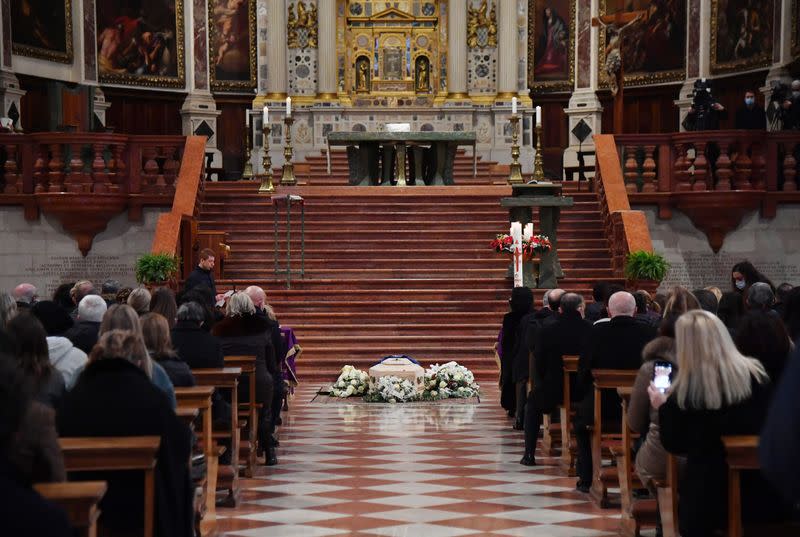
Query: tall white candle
<point>516,236</point>
<point>288,107</point>
<point>528,231</point>
<point>538,116</point>
<point>514,105</point>
<point>266,115</point>
<point>247,118</point>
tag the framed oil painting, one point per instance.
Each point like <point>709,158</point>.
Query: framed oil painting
<point>741,34</point>
<point>42,29</point>
<point>140,42</point>
<point>232,41</point>
<point>652,45</point>
<point>551,44</point>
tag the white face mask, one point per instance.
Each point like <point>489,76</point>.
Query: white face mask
<point>740,284</point>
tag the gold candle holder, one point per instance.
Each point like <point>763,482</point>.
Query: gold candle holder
<point>247,173</point>
<point>515,172</point>
<point>538,164</point>
<point>266,162</point>
<point>288,178</point>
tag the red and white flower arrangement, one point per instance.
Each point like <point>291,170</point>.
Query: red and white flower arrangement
<point>536,244</point>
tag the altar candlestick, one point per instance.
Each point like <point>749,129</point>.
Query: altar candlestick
<point>538,116</point>
<point>288,107</point>
<point>514,105</point>
<point>528,232</point>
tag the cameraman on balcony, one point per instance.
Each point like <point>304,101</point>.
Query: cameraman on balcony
<point>705,113</point>
<point>751,116</point>
<point>791,108</point>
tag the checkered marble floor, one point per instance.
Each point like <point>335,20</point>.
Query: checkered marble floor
<point>441,470</point>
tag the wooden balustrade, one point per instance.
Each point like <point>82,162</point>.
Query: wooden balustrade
<point>714,177</point>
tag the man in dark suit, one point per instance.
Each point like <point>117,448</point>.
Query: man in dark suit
<point>751,116</point>
<point>616,344</point>
<point>203,273</point>
<point>565,334</point>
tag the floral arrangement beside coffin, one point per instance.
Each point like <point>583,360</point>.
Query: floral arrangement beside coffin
<point>351,382</point>
<point>392,390</point>
<point>536,244</point>
<point>449,380</point>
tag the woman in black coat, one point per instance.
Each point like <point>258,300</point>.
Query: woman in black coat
<point>243,333</point>
<point>114,397</point>
<point>717,392</point>
<point>521,303</point>
<point>155,330</point>
<point>193,342</point>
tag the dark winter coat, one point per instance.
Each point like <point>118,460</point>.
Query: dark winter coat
<point>529,326</point>
<point>84,335</point>
<point>24,512</point>
<point>177,370</point>
<point>200,277</point>
<point>196,346</point>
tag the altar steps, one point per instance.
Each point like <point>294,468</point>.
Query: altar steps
<point>392,270</point>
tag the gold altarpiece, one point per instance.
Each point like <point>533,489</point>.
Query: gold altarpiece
<point>399,52</point>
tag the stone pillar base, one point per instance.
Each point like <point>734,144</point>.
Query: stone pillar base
<point>100,106</point>
<point>10,96</point>
<point>684,101</point>
<point>199,117</point>
<point>583,105</point>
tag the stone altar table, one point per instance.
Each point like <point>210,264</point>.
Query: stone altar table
<point>546,196</point>
<point>433,155</point>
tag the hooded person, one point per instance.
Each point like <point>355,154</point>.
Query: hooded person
<point>65,357</point>
<point>520,304</point>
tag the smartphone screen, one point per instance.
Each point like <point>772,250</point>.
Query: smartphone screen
<point>662,376</point>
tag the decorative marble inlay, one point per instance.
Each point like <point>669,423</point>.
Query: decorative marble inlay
<point>693,59</point>
<point>89,49</point>
<point>584,25</point>
<point>482,71</point>
<point>200,45</point>
<point>303,72</point>
<point>6,33</point>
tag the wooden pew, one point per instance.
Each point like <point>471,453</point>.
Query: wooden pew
<point>226,379</point>
<point>199,397</point>
<point>668,498</point>
<point>187,414</point>
<point>636,513</point>
<point>91,454</point>
<point>248,409</point>
<point>602,477</point>
<point>79,500</point>
<point>569,447</point>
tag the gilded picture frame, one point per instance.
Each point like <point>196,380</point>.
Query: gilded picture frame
<point>733,46</point>
<point>224,28</point>
<point>155,55</point>
<point>562,79</point>
<point>653,68</point>
<point>44,20</point>
<point>795,28</point>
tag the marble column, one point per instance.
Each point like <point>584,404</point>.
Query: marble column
<point>10,96</point>
<point>457,49</point>
<point>326,59</point>
<point>199,110</point>
<point>584,104</point>
<point>277,83</point>
<point>507,49</point>
<point>694,60</point>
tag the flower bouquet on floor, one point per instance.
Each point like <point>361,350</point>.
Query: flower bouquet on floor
<point>449,380</point>
<point>351,382</point>
<point>391,389</point>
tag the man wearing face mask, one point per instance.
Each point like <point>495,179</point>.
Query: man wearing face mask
<point>791,108</point>
<point>751,116</point>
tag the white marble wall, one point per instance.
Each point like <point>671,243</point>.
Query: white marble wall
<point>43,254</point>
<point>771,245</point>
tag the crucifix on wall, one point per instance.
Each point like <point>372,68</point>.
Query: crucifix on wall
<point>616,24</point>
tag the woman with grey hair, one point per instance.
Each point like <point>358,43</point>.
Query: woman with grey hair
<point>8,308</point>
<point>139,300</point>
<point>243,333</point>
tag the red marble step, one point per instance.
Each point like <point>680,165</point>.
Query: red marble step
<point>315,263</point>
<point>475,253</point>
<point>439,306</point>
<point>390,329</point>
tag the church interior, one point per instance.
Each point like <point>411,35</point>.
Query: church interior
<point>399,268</point>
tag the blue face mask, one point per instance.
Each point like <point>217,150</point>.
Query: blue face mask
<point>740,284</point>
<point>749,101</point>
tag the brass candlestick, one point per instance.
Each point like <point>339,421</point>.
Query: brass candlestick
<point>515,172</point>
<point>538,164</point>
<point>248,165</point>
<point>288,178</point>
<point>266,162</point>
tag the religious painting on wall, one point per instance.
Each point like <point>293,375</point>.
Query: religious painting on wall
<point>648,40</point>
<point>551,44</point>
<point>741,34</point>
<point>140,42</point>
<point>42,29</point>
<point>232,38</point>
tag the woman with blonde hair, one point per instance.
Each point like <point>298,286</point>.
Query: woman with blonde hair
<point>139,300</point>
<point>155,330</point>
<point>124,317</point>
<point>716,392</point>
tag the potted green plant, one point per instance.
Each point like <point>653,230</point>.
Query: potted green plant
<point>645,270</point>
<point>157,270</point>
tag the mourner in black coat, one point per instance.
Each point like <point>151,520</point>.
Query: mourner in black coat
<point>615,344</point>
<point>200,277</point>
<point>564,336</point>
<point>114,397</point>
<point>521,303</point>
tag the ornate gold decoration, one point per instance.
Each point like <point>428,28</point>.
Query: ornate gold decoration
<point>47,54</point>
<point>362,75</point>
<point>478,22</point>
<point>216,9</point>
<point>634,78</point>
<point>157,81</point>
<point>515,169</point>
<point>287,177</point>
<point>301,29</point>
<point>423,74</point>
<point>247,173</point>
<point>266,162</point>
<point>766,10</point>
<point>534,6</point>
<point>538,161</point>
